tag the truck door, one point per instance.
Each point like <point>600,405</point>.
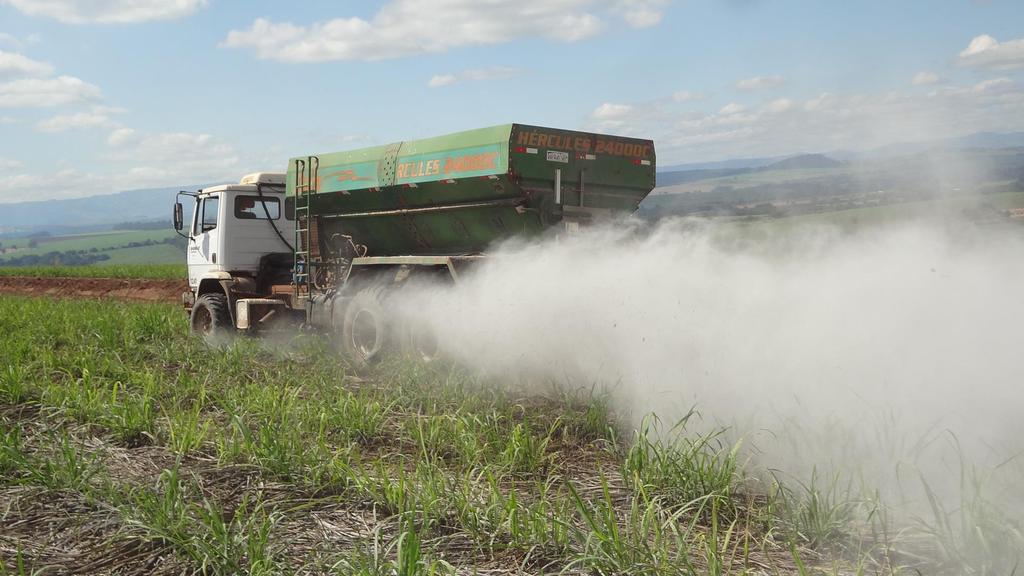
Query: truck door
<point>205,241</point>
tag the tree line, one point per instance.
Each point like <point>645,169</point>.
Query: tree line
<point>83,256</point>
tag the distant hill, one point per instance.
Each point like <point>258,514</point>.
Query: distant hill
<point>734,164</point>
<point>818,183</point>
<point>804,162</point>
<point>989,140</point>
<point>684,176</point>
<point>977,140</point>
<point>93,212</point>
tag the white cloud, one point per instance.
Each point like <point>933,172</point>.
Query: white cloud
<point>627,119</point>
<point>174,150</point>
<point>819,102</point>
<point>106,11</point>
<point>25,187</point>
<point>14,64</point>
<point>97,118</point>
<point>611,117</point>
<point>825,122</point>
<point>474,75</point>
<point>492,73</point>
<point>121,136</point>
<point>66,182</point>
<point>409,27</point>
<point>641,13</point>
<point>687,96</point>
<point>994,86</point>
<point>44,92</point>
<point>779,106</point>
<point>134,160</point>
<point>168,158</point>
<point>732,108</point>
<point>986,51</point>
<point>610,111</point>
<point>760,83</point>
<point>442,80</point>
<point>10,40</point>
<point>7,164</point>
<point>925,78</point>
<point>16,42</point>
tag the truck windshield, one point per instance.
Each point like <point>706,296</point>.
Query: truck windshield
<point>252,208</point>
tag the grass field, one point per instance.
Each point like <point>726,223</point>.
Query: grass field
<point>960,211</point>
<point>877,215</point>
<point>100,241</point>
<point>163,254</point>
<point>125,443</point>
<point>155,271</point>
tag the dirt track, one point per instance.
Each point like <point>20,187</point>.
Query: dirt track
<point>146,290</point>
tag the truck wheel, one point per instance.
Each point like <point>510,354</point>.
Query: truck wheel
<point>419,342</point>
<point>210,316</point>
<point>364,328</point>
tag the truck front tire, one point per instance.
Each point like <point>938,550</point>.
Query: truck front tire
<point>211,317</point>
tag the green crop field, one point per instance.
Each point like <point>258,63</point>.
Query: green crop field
<point>953,207</point>
<point>126,446</point>
<point>155,254</point>
<point>114,247</point>
<point>101,240</point>
<point>152,271</point>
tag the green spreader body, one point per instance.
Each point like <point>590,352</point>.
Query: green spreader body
<point>457,194</point>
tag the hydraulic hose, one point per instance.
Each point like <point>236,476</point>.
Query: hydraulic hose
<point>259,192</point>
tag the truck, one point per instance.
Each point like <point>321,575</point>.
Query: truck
<point>324,245</point>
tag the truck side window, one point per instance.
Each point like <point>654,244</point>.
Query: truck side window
<point>252,208</point>
<point>210,205</point>
<point>289,208</point>
<point>196,211</point>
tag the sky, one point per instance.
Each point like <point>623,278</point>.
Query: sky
<point>99,96</point>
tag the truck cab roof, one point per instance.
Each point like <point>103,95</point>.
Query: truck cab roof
<point>270,182</point>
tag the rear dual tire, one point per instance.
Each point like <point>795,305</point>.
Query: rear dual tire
<point>369,333</point>
<point>364,327</point>
<point>419,342</point>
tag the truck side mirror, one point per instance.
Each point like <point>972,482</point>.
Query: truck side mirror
<point>179,218</point>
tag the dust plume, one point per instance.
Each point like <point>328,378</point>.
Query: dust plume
<point>885,351</point>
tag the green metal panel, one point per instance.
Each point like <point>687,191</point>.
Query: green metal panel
<point>597,170</point>
<point>458,193</point>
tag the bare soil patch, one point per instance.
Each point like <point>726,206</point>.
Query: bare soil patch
<point>145,290</point>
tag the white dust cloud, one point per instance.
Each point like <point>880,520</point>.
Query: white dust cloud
<point>880,350</point>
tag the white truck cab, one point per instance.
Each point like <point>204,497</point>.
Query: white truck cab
<point>234,228</point>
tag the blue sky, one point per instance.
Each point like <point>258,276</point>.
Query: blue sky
<point>98,96</point>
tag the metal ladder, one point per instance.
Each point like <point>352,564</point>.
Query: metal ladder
<point>306,175</point>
